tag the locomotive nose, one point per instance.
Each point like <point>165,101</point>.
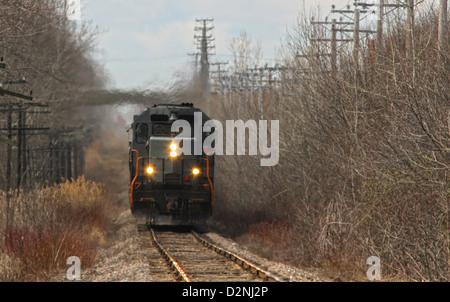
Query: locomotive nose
<point>168,185</point>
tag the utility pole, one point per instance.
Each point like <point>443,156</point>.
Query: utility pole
<point>76,167</point>
<point>69,161</point>
<point>219,70</point>
<point>24,145</point>
<point>356,41</point>
<point>204,45</point>
<point>380,21</point>
<point>9,135</point>
<point>333,49</point>
<point>69,152</point>
<point>442,31</point>
<point>409,30</point>
<point>218,74</point>
<point>21,138</point>
<point>333,39</point>
<point>409,27</point>
<point>19,147</point>
<point>8,150</point>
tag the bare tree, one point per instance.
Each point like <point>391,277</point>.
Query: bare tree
<point>246,52</point>
<point>364,157</point>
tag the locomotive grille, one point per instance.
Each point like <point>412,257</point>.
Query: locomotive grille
<point>172,178</point>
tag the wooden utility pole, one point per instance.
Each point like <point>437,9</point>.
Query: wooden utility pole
<point>23,153</point>
<point>75,152</point>
<point>24,146</point>
<point>66,158</point>
<point>21,129</point>
<point>380,21</point>
<point>442,31</point>
<point>219,70</point>
<point>409,29</point>
<point>333,40</point>
<point>356,41</point>
<point>69,161</point>
<point>21,143</point>
<point>218,74</point>
<point>19,148</point>
<point>8,150</point>
<point>333,48</point>
<point>52,166</point>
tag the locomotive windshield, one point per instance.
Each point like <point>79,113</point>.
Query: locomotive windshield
<point>163,130</point>
<point>159,147</point>
<point>141,133</point>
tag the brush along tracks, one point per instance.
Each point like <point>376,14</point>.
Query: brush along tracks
<point>193,258</point>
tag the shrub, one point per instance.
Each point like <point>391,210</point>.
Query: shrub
<point>43,228</point>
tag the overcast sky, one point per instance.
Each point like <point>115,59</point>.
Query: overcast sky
<point>145,42</point>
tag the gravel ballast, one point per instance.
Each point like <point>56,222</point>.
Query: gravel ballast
<point>123,258</point>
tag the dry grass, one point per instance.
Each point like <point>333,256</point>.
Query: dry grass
<point>41,229</point>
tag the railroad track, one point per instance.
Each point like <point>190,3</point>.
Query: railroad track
<point>193,258</point>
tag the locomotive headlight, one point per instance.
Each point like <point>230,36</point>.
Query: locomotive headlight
<point>150,170</point>
<point>173,153</point>
<point>195,171</point>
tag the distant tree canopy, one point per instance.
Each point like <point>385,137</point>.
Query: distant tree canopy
<point>54,55</point>
<point>38,42</point>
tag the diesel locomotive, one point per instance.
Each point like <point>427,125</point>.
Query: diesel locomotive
<point>168,186</point>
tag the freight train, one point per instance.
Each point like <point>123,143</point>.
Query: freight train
<point>168,186</point>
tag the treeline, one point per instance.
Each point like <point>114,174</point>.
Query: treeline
<point>364,154</point>
<point>48,212</point>
<point>48,57</point>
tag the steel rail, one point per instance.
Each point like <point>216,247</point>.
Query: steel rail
<point>171,261</point>
<point>246,265</point>
<point>265,275</point>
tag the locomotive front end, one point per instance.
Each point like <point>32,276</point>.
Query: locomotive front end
<point>167,186</point>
